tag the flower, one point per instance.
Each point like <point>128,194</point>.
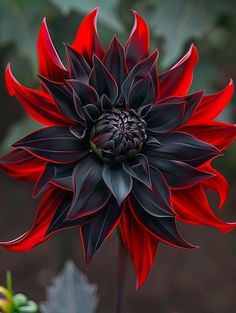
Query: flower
<point>122,146</point>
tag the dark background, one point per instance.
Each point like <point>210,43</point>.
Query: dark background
<point>202,281</point>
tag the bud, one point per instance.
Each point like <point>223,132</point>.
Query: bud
<point>118,135</point>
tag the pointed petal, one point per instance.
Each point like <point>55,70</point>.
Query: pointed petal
<point>179,174</point>
<point>118,181</point>
<point>139,169</point>
<point>162,228</point>
<point>184,147</point>
<point>142,93</point>
<point>156,201</point>
<point>218,184</point>
<point>91,193</point>
<point>38,104</point>
<point>218,134</point>
<point>50,64</point>
<point>87,41</point>
<point>37,234</point>
<point>83,95</point>
<point>193,208</point>
<point>137,46</point>
<point>62,97</point>
<point>54,144</point>
<point>20,164</point>
<point>94,233</point>
<point>42,182</point>
<point>171,113</point>
<point>212,105</point>
<point>177,81</point>
<point>114,60</point>
<point>141,245</point>
<point>78,67</point>
<point>163,118</point>
<point>139,71</point>
<point>102,80</point>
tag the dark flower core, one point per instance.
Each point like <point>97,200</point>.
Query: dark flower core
<point>118,135</point>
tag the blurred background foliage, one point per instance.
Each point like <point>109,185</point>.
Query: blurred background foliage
<point>174,25</point>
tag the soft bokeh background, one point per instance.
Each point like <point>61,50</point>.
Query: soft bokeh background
<point>202,281</point>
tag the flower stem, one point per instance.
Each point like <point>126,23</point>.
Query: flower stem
<point>120,291</point>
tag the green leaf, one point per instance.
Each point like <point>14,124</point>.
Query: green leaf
<point>107,12</point>
<point>70,292</point>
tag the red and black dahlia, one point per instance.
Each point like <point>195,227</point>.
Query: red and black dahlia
<point>122,146</point>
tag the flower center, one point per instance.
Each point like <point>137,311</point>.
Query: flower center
<point>118,135</point>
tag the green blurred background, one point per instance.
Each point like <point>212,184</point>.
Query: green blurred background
<point>203,281</point>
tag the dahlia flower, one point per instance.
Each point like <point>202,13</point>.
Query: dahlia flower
<point>122,146</point>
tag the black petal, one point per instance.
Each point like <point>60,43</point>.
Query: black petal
<point>164,228</point>
<point>141,93</point>
<point>95,232</point>
<point>139,169</point>
<point>155,201</point>
<point>192,102</point>
<point>102,80</point>
<point>62,96</point>
<point>91,114</point>
<point>54,144</point>
<point>78,66</point>
<point>42,183</point>
<point>60,215</point>
<point>106,103</point>
<point>179,174</point>
<point>118,181</point>
<point>63,176</point>
<point>114,61</point>
<point>184,147</point>
<point>85,93</point>
<point>139,71</point>
<point>91,193</point>
<point>163,118</point>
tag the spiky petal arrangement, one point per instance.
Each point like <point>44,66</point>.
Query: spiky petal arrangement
<point>123,146</point>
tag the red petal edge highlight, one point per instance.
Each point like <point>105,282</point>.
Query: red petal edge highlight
<point>137,46</point>
<point>177,81</point>
<point>20,164</point>
<point>218,183</point>
<point>141,245</point>
<point>87,41</point>
<point>36,234</point>
<point>192,207</point>
<point>219,134</point>
<point>38,104</point>
<point>212,105</point>
<point>50,64</point>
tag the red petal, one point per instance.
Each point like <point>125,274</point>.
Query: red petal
<point>177,81</point>
<point>212,105</point>
<point>192,207</point>
<point>50,64</point>
<point>36,234</point>
<point>217,183</point>
<point>137,46</point>
<point>20,164</point>
<point>220,135</point>
<point>87,41</point>
<point>38,104</point>
<point>141,245</point>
